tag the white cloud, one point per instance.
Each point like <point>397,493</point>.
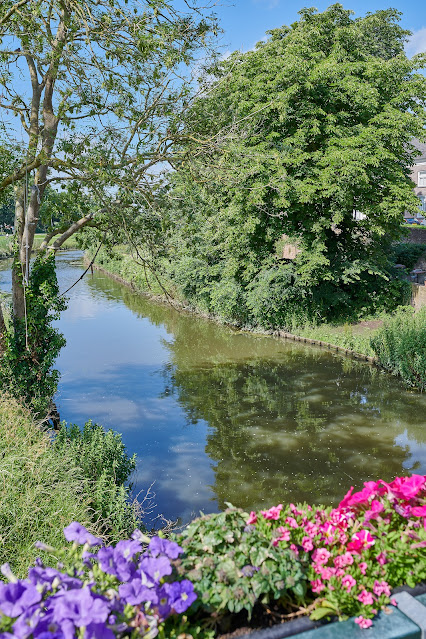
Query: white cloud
<point>417,42</point>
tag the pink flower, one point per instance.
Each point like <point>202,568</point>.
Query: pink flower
<point>406,487</point>
<point>393,602</point>
<point>366,598</point>
<point>311,529</point>
<point>348,582</point>
<point>419,511</point>
<point>362,497</point>
<point>272,513</point>
<point>328,531</point>
<point>321,556</point>
<point>317,586</point>
<point>343,538</point>
<point>295,511</point>
<point>381,588</point>
<point>363,567</point>
<point>343,560</point>
<point>291,522</point>
<point>307,544</point>
<point>363,623</point>
<point>381,558</point>
<point>375,509</point>
<point>284,535</point>
<point>294,549</point>
<point>252,518</point>
<point>360,540</point>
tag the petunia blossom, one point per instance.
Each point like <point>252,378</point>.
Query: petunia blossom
<point>362,622</point>
<point>272,513</point>
<point>252,518</point>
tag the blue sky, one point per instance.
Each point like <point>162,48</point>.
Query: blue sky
<point>246,21</point>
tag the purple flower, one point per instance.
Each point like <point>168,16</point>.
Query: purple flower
<point>113,562</point>
<point>181,595</point>
<point>81,607</point>
<point>97,630</point>
<point>46,576</point>
<point>78,533</point>
<point>164,607</point>
<point>158,546</point>
<point>135,592</point>
<point>155,568</point>
<point>15,598</point>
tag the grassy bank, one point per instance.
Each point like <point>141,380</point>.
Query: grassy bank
<point>369,337</point>
<point>6,248</point>
<point>46,485</point>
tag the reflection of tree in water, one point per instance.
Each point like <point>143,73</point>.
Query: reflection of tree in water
<point>287,421</point>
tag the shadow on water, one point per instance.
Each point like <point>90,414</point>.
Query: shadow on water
<point>218,415</point>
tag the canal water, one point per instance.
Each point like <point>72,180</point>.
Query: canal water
<point>216,415</point>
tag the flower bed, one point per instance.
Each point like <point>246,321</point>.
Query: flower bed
<point>327,562</point>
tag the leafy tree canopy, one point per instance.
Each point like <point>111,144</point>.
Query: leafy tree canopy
<point>313,124</point>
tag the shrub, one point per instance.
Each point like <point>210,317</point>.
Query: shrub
<point>120,591</point>
<point>32,346</point>
<point>407,253</point>
<point>401,346</point>
<point>234,566</point>
<point>106,468</point>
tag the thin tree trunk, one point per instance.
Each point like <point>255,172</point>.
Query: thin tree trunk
<point>18,296</point>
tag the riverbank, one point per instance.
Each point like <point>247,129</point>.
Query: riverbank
<point>51,480</point>
<point>371,340</point>
<point>6,244</point>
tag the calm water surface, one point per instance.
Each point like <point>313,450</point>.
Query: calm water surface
<point>215,415</point>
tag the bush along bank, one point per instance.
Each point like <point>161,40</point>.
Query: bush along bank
<point>47,482</point>
<point>403,328</point>
<point>340,562</point>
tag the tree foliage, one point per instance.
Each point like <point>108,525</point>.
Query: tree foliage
<point>312,125</point>
<point>87,94</point>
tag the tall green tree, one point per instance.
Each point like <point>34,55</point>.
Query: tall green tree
<point>312,125</point>
<point>87,90</point>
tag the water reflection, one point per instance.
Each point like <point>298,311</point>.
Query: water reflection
<point>218,415</point>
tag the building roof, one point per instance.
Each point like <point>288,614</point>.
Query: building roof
<point>422,149</point>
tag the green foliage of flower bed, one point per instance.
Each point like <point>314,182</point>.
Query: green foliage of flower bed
<point>235,566</point>
<point>352,556</point>
<point>401,346</point>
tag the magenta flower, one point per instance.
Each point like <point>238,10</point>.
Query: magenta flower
<point>360,541</point>
<point>381,588</point>
<point>381,558</point>
<point>343,560</point>
<point>366,598</point>
<point>291,522</point>
<point>284,535</point>
<point>419,511</point>
<point>307,544</point>
<point>348,582</point>
<point>406,487</point>
<point>272,513</point>
<point>376,508</point>
<point>362,622</point>
<point>252,518</point>
<point>321,556</point>
<point>317,586</point>
<point>363,567</point>
<point>328,531</point>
